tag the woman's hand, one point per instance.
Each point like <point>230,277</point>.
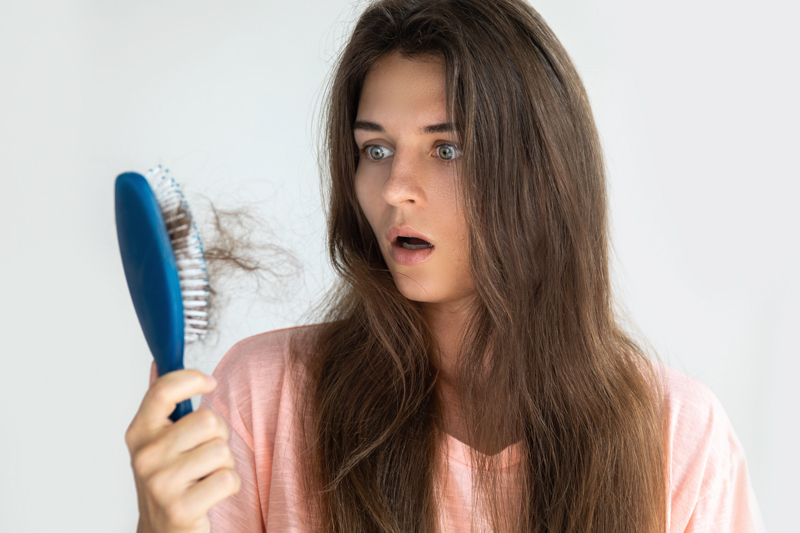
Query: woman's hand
<point>181,469</point>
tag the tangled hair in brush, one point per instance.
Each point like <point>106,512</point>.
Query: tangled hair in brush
<point>241,249</point>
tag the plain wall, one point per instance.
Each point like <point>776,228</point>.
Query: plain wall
<point>696,103</point>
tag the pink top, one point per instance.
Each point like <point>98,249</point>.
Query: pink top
<point>710,490</point>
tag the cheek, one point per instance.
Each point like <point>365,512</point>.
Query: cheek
<point>362,193</point>
<point>449,209</point>
<point>460,233</point>
<point>365,194</point>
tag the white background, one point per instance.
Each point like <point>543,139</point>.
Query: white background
<point>696,102</point>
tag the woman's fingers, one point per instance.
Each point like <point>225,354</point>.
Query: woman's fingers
<point>202,461</point>
<point>161,399</point>
<point>219,485</point>
<point>181,469</point>
<point>190,510</point>
<point>172,445</point>
<point>171,479</point>
<point>195,429</point>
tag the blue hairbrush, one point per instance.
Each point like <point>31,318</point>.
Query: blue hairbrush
<point>165,267</point>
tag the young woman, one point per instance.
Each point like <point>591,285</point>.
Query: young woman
<point>469,372</point>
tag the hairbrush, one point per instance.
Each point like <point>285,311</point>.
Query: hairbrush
<point>165,267</point>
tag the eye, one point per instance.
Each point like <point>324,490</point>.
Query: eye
<point>377,152</point>
<point>448,152</point>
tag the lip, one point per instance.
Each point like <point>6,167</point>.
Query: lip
<point>405,231</point>
<point>407,257</point>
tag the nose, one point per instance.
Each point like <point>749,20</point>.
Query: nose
<point>404,184</point>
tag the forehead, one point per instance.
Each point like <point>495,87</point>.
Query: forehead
<point>401,89</point>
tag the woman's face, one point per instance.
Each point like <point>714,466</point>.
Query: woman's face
<point>407,180</point>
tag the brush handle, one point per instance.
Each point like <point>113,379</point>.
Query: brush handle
<point>170,362</point>
<point>181,410</point>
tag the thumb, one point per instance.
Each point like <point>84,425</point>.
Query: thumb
<point>153,372</point>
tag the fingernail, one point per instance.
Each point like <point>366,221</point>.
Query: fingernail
<point>212,381</point>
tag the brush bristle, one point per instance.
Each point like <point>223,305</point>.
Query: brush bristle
<point>189,255</point>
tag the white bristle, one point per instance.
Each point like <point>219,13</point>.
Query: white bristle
<point>189,272</point>
<point>189,255</point>
<point>187,283</point>
<point>194,303</point>
<point>186,263</point>
<point>195,294</point>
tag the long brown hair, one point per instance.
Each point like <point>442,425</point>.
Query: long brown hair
<point>543,362</point>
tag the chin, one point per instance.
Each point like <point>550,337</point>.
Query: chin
<point>413,289</point>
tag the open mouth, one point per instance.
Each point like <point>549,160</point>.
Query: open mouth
<point>412,243</point>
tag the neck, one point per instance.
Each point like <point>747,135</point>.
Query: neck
<point>447,322</point>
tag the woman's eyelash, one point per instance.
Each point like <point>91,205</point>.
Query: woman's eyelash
<point>364,151</point>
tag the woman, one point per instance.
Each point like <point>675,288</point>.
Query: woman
<point>469,370</point>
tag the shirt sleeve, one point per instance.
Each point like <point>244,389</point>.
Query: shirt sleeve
<point>711,489</point>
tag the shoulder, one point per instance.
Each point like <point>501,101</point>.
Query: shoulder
<point>690,404</point>
<point>259,355</point>
<point>252,377</point>
<point>695,416</point>
<point>709,482</point>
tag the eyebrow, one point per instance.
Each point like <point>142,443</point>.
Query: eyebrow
<point>444,127</point>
